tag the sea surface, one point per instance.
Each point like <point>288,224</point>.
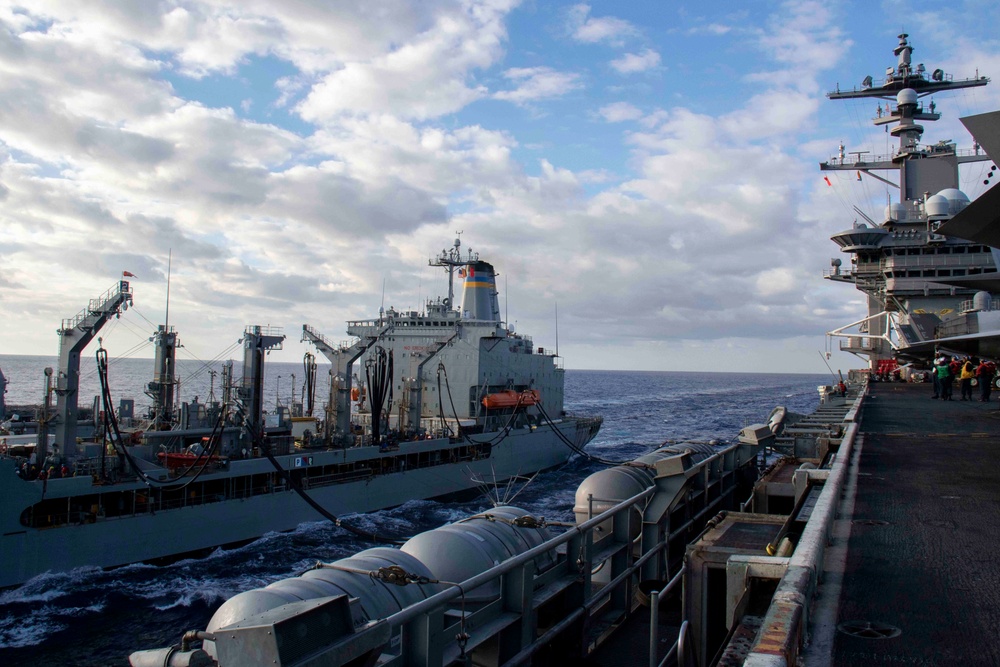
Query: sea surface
<point>93,617</point>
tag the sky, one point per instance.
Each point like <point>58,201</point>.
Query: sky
<point>643,175</point>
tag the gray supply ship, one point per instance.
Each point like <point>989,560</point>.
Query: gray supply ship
<point>449,398</point>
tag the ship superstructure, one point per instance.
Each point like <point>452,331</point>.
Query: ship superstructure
<point>910,273</point>
<point>446,361</point>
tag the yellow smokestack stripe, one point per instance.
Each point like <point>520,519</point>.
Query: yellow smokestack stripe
<point>477,284</point>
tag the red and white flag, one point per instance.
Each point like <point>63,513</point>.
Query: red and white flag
<point>128,274</point>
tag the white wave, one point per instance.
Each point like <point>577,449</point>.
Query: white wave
<point>95,608</point>
<point>208,595</point>
<point>49,586</point>
<point>30,630</point>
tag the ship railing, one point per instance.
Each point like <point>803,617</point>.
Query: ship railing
<point>869,160</point>
<point>893,75</point>
<point>858,161</point>
<point>842,275</point>
<point>960,260</point>
<point>430,629</point>
<point>314,333</point>
<point>785,623</point>
<point>96,306</point>
<point>857,345</point>
<point>430,624</point>
<point>851,276</point>
<point>264,330</point>
<point>970,152</point>
<point>342,346</point>
<point>366,323</point>
<point>969,306</point>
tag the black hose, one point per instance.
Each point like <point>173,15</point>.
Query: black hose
<point>258,439</point>
<point>309,363</point>
<point>111,427</point>
<point>495,440</point>
<point>379,376</point>
<point>292,482</point>
<point>502,434</point>
<point>575,447</point>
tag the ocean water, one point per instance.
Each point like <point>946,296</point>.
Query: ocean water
<point>94,617</point>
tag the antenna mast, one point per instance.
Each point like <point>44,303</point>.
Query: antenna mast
<point>506,302</point>
<point>449,259</point>
<point>166,317</point>
<point>381,308</point>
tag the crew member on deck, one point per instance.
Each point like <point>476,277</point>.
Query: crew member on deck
<point>965,377</point>
<point>942,370</point>
<point>985,372</point>
<point>53,460</point>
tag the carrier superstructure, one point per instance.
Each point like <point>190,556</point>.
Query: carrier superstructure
<point>911,275</point>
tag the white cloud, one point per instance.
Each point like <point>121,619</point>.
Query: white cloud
<point>424,77</point>
<point>631,63</point>
<point>716,29</point>
<point>289,87</point>
<point>588,29</point>
<point>776,281</point>
<point>617,112</point>
<point>803,40</point>
<point>538,83</point>
<point>689,223</point>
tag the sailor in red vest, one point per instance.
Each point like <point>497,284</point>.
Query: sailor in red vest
<point>985,373</point>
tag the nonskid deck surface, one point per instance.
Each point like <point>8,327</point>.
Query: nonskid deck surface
<point>925,534</point>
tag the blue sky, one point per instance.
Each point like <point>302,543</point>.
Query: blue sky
<point>649,167</point>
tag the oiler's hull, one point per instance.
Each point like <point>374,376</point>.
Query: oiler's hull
<point>67,523</point>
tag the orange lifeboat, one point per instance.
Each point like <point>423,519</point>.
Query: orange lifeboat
<point>512,399</point>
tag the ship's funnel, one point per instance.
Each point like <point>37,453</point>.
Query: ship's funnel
<point>479,301</point>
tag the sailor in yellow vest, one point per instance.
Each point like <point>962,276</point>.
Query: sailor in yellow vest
<point>965,377</point>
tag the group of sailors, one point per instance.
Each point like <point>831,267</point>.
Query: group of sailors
<point>968,371</point>
<point>28,468</point>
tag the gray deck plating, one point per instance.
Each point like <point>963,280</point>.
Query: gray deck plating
<point>929,470</point>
